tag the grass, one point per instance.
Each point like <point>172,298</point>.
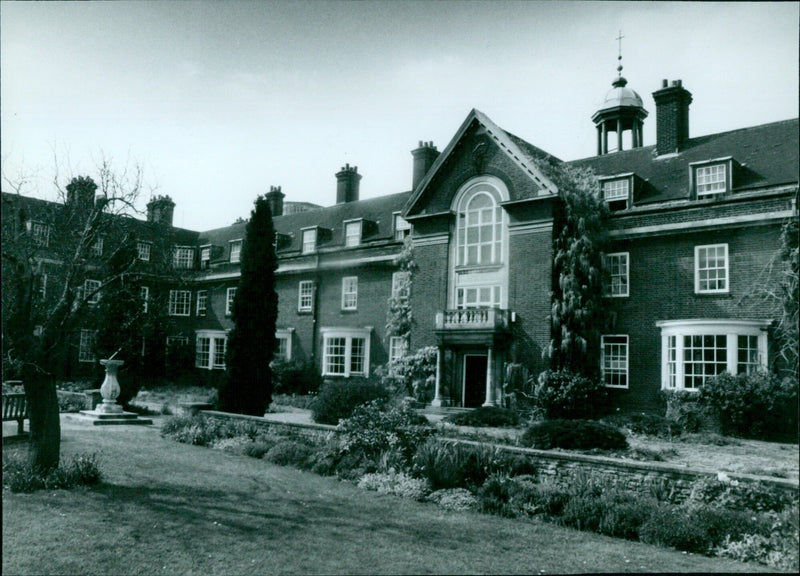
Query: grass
<point>170,508</point>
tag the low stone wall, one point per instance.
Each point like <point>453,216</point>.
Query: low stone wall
<point>315,432</point>
<point>564,468</point>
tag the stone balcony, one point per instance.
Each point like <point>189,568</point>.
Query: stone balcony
<point>472,319</point>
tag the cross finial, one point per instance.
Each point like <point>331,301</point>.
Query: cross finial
<point>619,57</point>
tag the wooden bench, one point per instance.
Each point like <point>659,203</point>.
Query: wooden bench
<point>15,407</point>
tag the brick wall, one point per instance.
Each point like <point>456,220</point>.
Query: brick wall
<point>661,287</point>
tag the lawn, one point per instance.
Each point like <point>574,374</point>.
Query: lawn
<point>171,508</point>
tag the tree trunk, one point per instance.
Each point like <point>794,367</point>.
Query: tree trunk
<point>45,436</point>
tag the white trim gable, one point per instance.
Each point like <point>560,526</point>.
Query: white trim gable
<point>501,139</point>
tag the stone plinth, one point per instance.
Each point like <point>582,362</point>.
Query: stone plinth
<point>98,418</point>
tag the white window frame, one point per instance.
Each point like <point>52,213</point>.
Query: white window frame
<point>283,344</point>
<point>352,233</point>
<point>489,296</point>
<point>143,251</point>
<point>609,290</point>
<point>183,257</point>
<point>309,240</point>
<point>41,234</point>
<point>398,347</point>
<point>180,303</point>
<point>707,181</point>
<point>214,346</point>
<point>350,293</point>
<point>617,189</point>
<point>144,294</point>
<point>205,257</point>
<point>673,332</point>
<point>230,294</point>
<point>235,251</point>
<point>201,303</point>
<point>614,365</point>
<point>86,346</point>
<point>698,272</point>
<point>470,222</point>
<point>349,335</point>
<point>305,296</point>
<point>90,286</point>
<point>400,287</point>
<point>401,226</point>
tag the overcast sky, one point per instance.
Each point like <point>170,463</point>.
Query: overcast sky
<point>218,101</point>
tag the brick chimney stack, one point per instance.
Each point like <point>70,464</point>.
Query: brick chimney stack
<point>347,180</point>
<point>275,200</point>
<point>160,210</point>
<point>672,117</point>
<point>424,157</point>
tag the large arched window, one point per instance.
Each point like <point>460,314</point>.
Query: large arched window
<point>478,257</point>
<point>480,233</point>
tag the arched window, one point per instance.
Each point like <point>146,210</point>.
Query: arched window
<point>480,235</point>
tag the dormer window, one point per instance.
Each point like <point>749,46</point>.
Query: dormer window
<point>309,240</point>
<point>182,257</point>
<point>205,257</point>
<point>617,193</point>
<point>711,178</point>
<point>402,228</point>
<point>352,233</point>
<point>236,250</point>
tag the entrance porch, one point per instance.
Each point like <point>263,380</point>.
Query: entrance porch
<point>471,351</point>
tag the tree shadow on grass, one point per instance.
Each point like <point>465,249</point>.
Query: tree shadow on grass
<point>262,510</point>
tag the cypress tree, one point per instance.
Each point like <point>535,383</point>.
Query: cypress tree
<point>248,386</point>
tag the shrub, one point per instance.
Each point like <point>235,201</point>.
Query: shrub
<point>547,498</point>
<point>338,398</point>
<point>624,514</point>
<point>485,416</point>
<point>564,394</point>
<point>235,444</point>
<point>757,405</point>
<point>20,476</point>
<point>779,549</point>
<point>669,526</point>
<point>685,414</point>
<point>642,423</point>
<point>71,402</point>
<point>374,428</point>
<point>454,499</point>
<point>200,430</point>
<point>757,496</point>
<point>295,377</point>
<point>455,465</point>
<point>398,483</point>
<point>573,434</point>
<point>258,448</point>
<point>494,496</point>
<point>290,453</point>
<point>414,374</point>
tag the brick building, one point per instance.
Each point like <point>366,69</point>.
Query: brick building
<point>694,223</point>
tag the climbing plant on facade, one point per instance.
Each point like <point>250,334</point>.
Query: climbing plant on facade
<point>577,313</point>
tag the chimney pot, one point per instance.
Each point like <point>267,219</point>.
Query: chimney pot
<point>672,117</point>
<point>664,83</point>
<point>347,184</point>
<point>424,157</point>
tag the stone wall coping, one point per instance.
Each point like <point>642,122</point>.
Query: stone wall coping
<point>661,467</point>
<point>262,420</point>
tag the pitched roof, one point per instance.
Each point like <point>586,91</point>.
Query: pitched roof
<point>767,155</point>
<point>379,211</point>
<point>523,154</point>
